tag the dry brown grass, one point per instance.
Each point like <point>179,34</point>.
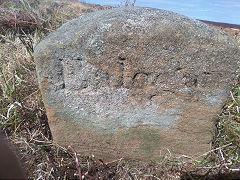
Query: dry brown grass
<point>24,121</point>
<point>26,16</point>
<point>18,15</point>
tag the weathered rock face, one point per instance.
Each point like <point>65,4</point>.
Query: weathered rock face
<point>134,82</point>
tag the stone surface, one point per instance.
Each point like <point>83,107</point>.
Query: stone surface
<point>135,82</point>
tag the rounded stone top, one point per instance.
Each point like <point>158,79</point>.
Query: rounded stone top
<point>131,22</point>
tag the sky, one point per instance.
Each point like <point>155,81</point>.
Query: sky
<point>226,11</point>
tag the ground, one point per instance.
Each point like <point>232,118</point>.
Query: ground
<point>23,118</point>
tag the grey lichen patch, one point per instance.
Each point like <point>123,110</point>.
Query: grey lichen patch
<point>148,139</point>
<point>109,108</point>
<point>215,98</point>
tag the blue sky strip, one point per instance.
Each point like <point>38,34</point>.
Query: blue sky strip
<point>226,11</point>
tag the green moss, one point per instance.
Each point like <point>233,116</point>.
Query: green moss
<point>149,138</point>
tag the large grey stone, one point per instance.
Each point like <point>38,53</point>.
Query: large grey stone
<point>135,82</point>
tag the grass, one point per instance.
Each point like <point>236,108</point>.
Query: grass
<point>23,117</point>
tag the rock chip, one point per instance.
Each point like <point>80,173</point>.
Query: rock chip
<point>135,82</point>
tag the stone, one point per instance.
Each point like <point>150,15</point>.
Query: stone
<point>135,82</point>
